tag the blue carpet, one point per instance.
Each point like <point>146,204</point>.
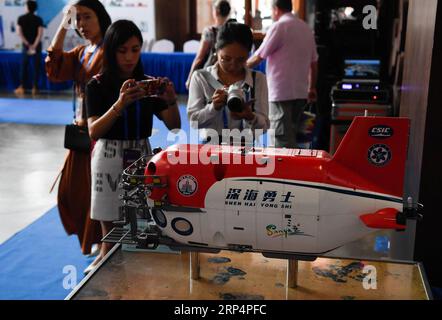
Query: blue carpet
<point>35,111</point>
<point>32,261</point>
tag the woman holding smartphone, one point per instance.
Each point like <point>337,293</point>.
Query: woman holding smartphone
<point>120,107</point>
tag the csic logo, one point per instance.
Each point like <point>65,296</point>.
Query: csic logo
<point>379,155</point>
<point>187,185</point>
<point>381,132</point>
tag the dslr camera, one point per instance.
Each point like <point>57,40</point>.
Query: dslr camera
<point>237,96</point>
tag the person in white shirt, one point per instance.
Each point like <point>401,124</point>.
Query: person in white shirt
<point>208,93</point>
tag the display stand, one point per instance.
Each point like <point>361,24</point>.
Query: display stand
<point>292,273</point>
<point>194,265</point>
<point>233,275</point>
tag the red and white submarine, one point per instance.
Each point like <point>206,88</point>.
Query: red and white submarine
<point>310,204</point>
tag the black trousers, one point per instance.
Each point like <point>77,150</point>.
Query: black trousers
<point>25,63</point>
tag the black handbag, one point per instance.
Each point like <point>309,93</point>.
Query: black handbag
<point>77,138</point>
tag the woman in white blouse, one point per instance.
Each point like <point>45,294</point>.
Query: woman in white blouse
<point>209,88</point>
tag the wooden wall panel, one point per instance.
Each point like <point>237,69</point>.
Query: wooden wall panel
<point>203,15</point>
<point>172,21</point>
<point>429,238</point>
<point>417,68</point>
<point>299,8</point>
<point>421,101</point>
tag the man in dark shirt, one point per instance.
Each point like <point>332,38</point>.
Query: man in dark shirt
<point>30,30</point>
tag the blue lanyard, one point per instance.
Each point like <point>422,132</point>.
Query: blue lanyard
<point>138,120</point>
<point>74,105</point>
<point>241,125</point>
<point>225,121</point>
<point>91,58</point>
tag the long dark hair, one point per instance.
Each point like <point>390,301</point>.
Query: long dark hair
<point>104,20</point>
<point>118,33</point>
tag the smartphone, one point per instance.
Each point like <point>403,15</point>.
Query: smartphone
<point>155,86</point>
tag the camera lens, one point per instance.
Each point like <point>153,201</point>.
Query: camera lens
<point>235,99</point>
<point>234,104</point>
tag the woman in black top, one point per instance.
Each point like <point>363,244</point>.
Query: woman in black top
<point>120,113</point>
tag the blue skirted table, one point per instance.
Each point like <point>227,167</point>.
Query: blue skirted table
<point>10,66</point>
<point>175,66</point>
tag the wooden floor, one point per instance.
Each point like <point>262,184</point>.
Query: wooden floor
<point>231,275</point>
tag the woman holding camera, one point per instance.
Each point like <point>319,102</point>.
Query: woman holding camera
<point>121,103</point>
<point>211,89</point>
<point>80,64</point>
